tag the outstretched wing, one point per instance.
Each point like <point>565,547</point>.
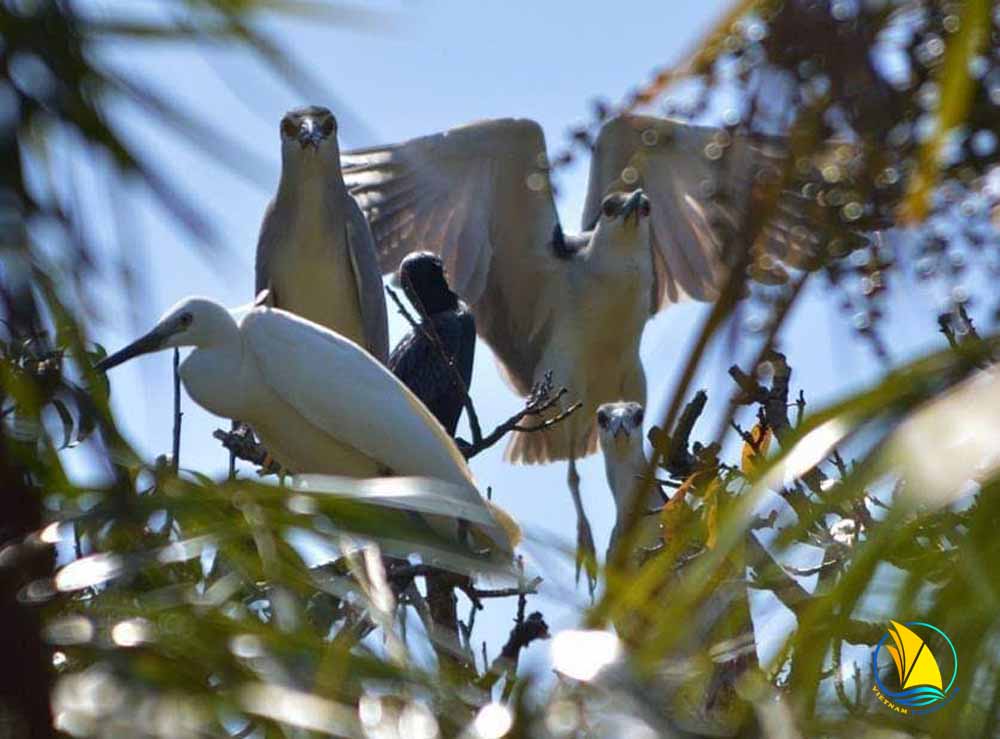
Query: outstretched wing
<point>480,197</point>
<point>701,182</point>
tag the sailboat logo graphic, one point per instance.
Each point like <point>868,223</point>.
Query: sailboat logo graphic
<point>921,688</point>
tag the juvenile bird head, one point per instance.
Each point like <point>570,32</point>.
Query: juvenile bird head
<point>625,207</point>
<point>192,322</point>
<point>619,427</point>
<point>309,131</point>
<point>421,275</point>
<point>624,222</point>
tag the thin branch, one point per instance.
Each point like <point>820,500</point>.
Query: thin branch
<point>176,459</point>
<point>677,458</point>
<point>529,588</point>
<point>539,402</point>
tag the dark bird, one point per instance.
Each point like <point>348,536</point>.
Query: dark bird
<point>446,328</point>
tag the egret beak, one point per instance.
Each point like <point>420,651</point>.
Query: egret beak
<point>151,342</point>
<point>637,204</point>
<point>309,134</point>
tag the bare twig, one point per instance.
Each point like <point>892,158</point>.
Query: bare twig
<point>541,400</point>
<point>525,631</point>
<point>677,458</point>
<point>232,454</point>
<point>529,588</point>
<point>176,459</point>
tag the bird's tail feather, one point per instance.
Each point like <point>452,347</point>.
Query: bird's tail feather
<point>541,447</point>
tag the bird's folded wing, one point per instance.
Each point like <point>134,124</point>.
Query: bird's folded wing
<point>262,264</point>
<point>343,391</point>
<point>702,183</point>
<point>480,196</point>
<point>368,278</point>
<point>417,360</point>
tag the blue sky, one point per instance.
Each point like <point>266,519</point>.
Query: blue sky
<point>435,64</point>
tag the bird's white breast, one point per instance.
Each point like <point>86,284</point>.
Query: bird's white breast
<point>609,295</point>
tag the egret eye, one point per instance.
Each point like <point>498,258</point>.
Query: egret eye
<point>638,417</point>
<point>602,418</point>
<point>610,206</point>
<point>186,319</point>
<point>288,127</point>
<point>327,126</point>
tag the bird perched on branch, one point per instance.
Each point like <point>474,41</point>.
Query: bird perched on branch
<point>315,252</point>
<point>447,331</point>
<point>663,203</point>
<point>319,402</point>
<point>619,433</point>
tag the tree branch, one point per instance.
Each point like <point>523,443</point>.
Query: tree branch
<point>539,402</point>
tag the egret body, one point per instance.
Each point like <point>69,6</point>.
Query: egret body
<point>320,403</point>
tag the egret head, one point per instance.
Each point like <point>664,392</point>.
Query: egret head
<point>308,131</point>
<point>197,322</point>
<point>619,427</point>
<point>421,275</point>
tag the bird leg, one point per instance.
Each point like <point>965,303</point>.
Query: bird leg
<point>586,552</point>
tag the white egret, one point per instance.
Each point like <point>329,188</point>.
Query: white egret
<point>320,403</point>
<point>315,252</point>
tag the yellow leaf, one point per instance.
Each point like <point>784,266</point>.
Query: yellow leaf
<point>673,515</point>
<point>754,453</point>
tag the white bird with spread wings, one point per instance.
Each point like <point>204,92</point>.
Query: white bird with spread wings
<point>481,197</point>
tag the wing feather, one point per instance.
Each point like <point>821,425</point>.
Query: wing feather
<point>479,196</point>
<point>368,278</point>
<point>702,183</point>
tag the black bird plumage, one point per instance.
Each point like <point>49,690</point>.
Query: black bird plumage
<point>416,360</point>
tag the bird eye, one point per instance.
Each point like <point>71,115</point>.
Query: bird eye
<point>610,206</point>
<point>288,127</point>
<point>602,418</point>
<point>639,416</point>
<point>186,319</point>
<point>327,127</point>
